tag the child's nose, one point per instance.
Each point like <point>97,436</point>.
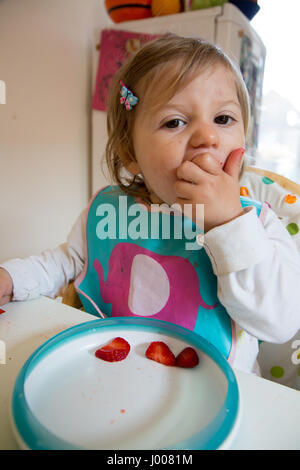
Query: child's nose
<point>205,135</point>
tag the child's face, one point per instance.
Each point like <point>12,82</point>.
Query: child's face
<point>203,117</point>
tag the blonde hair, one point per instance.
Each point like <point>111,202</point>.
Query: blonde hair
<point>159,69</point>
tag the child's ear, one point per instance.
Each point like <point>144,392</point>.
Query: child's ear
<point>131,165</point>
<point>133,168</point>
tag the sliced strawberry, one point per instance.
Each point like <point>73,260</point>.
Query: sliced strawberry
<point>187,358</point>
<point>158,351</point>
<point>114,351</point>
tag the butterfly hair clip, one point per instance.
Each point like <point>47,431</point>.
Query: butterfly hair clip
<point>127,97</point>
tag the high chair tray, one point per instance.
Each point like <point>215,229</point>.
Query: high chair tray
<point>66,398</point>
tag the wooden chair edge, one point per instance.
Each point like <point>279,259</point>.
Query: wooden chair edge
<point>281,180</point>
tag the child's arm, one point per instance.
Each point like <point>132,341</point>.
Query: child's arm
<point>258,266</point>
<point>258,270</point>
<point>47,273</point>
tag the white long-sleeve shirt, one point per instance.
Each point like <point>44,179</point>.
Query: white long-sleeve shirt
<point>257,268</point>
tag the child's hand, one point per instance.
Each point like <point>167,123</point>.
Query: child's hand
<point>203,181</point>
<point>6,287</point>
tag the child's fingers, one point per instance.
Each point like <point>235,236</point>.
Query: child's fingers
<point>208,163</point>
<point>6,287</point>
<point>194,170</point>
<point>190,172</point>
<point>5,299</point>
<point>183,189</point>
<point>233,163</point>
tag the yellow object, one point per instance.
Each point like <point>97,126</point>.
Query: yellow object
<point>244,191</point>
<point>165,7</point>
<point>70,296</point>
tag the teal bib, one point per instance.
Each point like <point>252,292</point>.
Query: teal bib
<point>142,263</point>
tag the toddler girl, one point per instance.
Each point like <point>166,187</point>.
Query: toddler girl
<point>177,119</point>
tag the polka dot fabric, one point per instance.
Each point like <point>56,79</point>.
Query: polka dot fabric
<point>278,362</point>
<point>283,202</point>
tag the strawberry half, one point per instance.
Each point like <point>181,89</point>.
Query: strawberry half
<point>114,351</point>
<point>158,351</point>
<point>187,358</point>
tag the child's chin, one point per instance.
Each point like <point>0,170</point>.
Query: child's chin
<point>155,199</point>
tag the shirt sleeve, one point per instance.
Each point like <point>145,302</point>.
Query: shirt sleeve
<point>47,273</point>
<point>258,271</point>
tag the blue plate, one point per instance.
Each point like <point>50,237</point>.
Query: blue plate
<point>66,398</point>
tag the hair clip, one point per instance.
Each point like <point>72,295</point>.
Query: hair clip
<point>127,97</point>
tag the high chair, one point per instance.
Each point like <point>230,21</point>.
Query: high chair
<point>283,195</point>
<point>70,296</point>
<point>278,362</point>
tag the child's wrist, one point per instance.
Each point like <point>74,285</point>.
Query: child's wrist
<point>210,226</point>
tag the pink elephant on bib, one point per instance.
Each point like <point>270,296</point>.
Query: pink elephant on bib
<point>143,283</point>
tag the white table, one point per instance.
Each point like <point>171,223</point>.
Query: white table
<point>271,412</point>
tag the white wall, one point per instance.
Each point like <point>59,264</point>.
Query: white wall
<point>45,141</point>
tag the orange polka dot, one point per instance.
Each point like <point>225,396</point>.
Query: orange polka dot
<point>290,199</point>
<point>244,191</point>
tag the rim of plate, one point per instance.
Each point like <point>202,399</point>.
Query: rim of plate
<point>33,435</point>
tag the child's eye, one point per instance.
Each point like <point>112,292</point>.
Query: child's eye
<point>174,123</point>
<point>223,119</point>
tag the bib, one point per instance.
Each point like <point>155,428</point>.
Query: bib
<point>148,264</point>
